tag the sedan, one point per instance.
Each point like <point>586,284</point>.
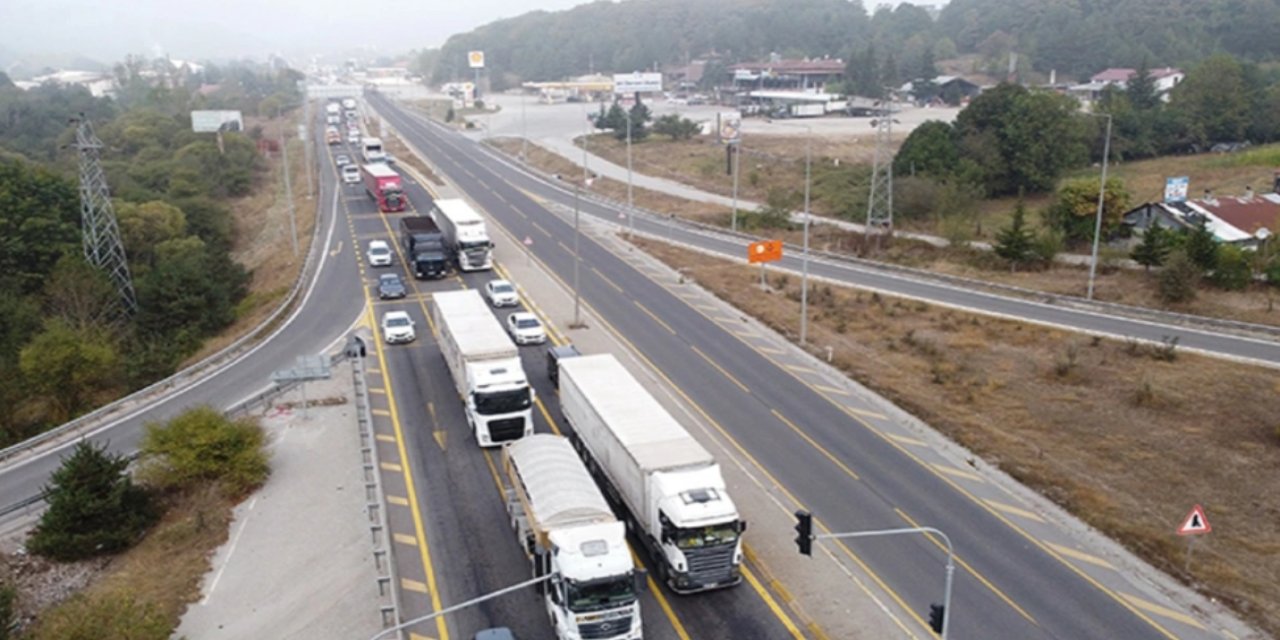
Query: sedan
<point>379,254</point>
<point>390,286</point>
<point>501,293</point>
<point>397,326</point>
<point>342,159</point>
<point>525,328</point>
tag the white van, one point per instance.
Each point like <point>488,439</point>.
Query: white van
<point>350,173</point>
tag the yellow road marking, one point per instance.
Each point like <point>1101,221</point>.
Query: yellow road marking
<point>377,390</point>
<point>768,600</point>
<point>391,466</point>
<point>1160,611</point>
<point>418,636</point>
<point>381,412</point>
<point>655,317</point>
<point>855,412</point>
<point>826,389</point>
<point>771,350</point>
<point>959,473</point>
<point>746,333</point>
<point>440,436</point>
<point>721,369</point>
<point>814,443</point>
<point>385,437</point>
<point>662,599</point>
<point>1081,556</point>
<point>965,565</point>
<point>375,371</point>
<point>607,280</point>
<point>709,308</point>
<point>399,501</point>
<point>405,539</point>
<point>413,585</point>
<point>908,440</point>
<point>1017,511</point>
<point>799,369</point>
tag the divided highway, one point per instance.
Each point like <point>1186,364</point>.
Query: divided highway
<point>832,458</point>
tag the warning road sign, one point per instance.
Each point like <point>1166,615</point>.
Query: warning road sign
<point>764,251</point>
<point>1195,523</point>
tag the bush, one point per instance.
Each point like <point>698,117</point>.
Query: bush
<point>107,615</point>
<point>202,445</point>
<point>8,610</point>
<point>1047,245</point>
<point>1179,278</point>
<point>1233,272</point>
<point>94,507</point>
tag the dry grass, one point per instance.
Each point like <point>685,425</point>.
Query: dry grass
<point>404,156</point>
<point>1116,433</point>
<point>262,241</point>
<point>571,174</point>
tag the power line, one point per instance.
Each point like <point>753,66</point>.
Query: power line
<point>100,233</point>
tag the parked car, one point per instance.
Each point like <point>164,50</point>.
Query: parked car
<point>379,253</point>
<point>501,293</point>
<point>397,327</point>
<point>525,328</point>
<point>342,159</point>
<point>554,356</point>
<point>390,286</point>
<point>350,174</point>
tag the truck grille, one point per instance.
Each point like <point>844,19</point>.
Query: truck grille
<point>711,565</point>
<point>604,629</point>
<point>506,429</point>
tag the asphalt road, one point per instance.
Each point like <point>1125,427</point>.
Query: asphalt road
<point>319,321</point>
<point>459,487</point>
<point>834,463</point>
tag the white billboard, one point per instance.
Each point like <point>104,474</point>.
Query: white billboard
<point>475,59</point>
<point>211,121</point>
<point>730,126</point>
<point>625,83</point>
<point>1175,189</point>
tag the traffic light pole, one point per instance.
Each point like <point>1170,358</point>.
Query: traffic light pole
<point>939,620</point>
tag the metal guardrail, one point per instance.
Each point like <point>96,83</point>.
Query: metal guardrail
<point>190,375</point>
<point>1076,302</point>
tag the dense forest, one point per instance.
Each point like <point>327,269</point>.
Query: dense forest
<point>63,347</point>
<point>1077,37</point>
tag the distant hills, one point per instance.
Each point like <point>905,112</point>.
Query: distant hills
<point>1074,37</point>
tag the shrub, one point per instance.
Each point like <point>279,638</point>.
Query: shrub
<point>107,615</point>
<point>202,445</point>
<point>8,610</point>
<point>1047,245</point>
<point>1233,272</point>
<point>1179,278</point>
<point>94,507</point>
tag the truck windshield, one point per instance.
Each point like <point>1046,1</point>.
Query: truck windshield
<point>474,244</point>
<point>600,594</point>
<point>494,402</point>
<point>714,535</point>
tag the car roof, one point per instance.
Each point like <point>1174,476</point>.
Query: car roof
<point>394,314</point>
<point>389,276</point>
<point>497,281</point>
<point>524,315</point>
<point>378,244</point>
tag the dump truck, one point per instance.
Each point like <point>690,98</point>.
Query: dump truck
<point>566,528</point>
<point>423,247</point>
<point>485,366</point>
<point>664,481</point>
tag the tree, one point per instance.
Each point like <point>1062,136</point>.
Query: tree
<point>1074,210</point>
<point>143,226</point>
<point>80,295</point>
<point>1019,139</point>
<point>38,223</point>
<point>676,127</point>
<point>1179,278</point>
<point>1153,249</point>
<point>640,117</point>
<point>1141,88</point>
<point>931,149</point>
<point>72,370</point>
<point>1201,247</point>
<point>1214,100</point>
<point>1015,242</point>
<point>1233,272</point>
<point>928,70</point>
<point>201,445</point>
<point>94,507</point>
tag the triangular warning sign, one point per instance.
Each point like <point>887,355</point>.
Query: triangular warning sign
<point>1195,523</point>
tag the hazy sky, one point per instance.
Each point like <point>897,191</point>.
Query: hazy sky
<point>194,29</point>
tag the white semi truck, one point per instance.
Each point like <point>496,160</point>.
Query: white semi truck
<point>669,486</point>
<point>486,368</point>
<point>371,149</point>
<point>465,234</point>
<point>568,531</point>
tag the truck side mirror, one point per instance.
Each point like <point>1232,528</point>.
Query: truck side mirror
<point>742,527</point>
<point>641,577</point>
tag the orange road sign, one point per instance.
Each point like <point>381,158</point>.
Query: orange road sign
<point>764,251</point>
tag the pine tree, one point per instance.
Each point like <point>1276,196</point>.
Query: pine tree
<point>1141,89</point>
<point>94,507</point>
<point>1202,248</point>
<point>927,69</point>
<point>1015,242</point>
<point>1154,247</point>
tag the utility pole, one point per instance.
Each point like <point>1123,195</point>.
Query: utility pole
<point>735,151</point>
<point>306,143</point>
<point>1102,191</point>
<point>804,279</point>
<point>577,263</point>
<point>880,200</point>
<point>100,232</point>
<point>524,130</point>
<point>288,187</point>
<point>631,205</point>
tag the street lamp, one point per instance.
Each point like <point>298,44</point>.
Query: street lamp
<point>631,206</point>
<point>1102,191</point>
<point>524,129</point>
<point>804,278</point>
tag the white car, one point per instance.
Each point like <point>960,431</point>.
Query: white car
<point>379,254</point>
<point>350,173</point>
<point>397,327</point>
<point>501,293</point>
<point>525,328</point>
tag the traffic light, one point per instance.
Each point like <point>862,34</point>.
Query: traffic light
<point>804,532</point>
<point>936,616</point>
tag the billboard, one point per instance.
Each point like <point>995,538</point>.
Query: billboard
<point>624,83</point>
<point>1175,189</point>
<point>211,121</point>
<point>475,59</point>
<point>764,251</point>
<point>729,127</point>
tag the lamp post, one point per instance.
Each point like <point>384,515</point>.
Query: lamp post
<point>631,206</point>
<point>804,277</point>
<point>734,150</point>
<point>1102,191</point>
<point>524,130</point>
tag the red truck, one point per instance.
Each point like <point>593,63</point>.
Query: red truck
<point>382,183</point>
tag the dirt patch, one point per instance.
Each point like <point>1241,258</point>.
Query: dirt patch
<point>165,570</point>
<point>1127,437</point>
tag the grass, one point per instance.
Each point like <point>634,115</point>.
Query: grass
<point>1123,435</point>
<point>1224,174</point>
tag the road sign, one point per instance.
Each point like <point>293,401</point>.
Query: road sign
<point>475,59</point>
<point>1175,189</point>
<point>211,121</point>
<point>764,251</point>
<point>528,242</point>
<point>1195,523</point>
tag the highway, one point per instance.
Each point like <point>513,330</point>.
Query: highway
<point>465,530</point>
<point>829,457</point>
